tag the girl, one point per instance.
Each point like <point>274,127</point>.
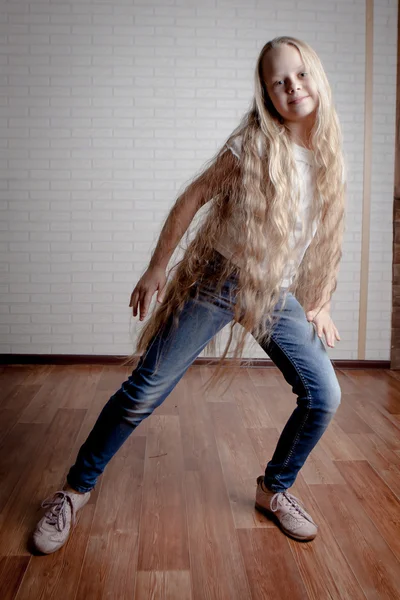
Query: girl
<point>266,257</point>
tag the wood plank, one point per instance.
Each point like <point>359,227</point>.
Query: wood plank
<point>346,384</point>
<point>380,424</point>
<point>16,452</point>
<point>393,373</point>
<point>11,378</point>
<point>112,377</point>
<point>214,443</point>
<point>253,402</point>
<point>38,374</point>
<point>12,571</point>
<point>280,402</point>
<point>217,566</point>
<point>384,461</point>
<point>14,405</point>
<point>163,585</point>
<point>222,390</point>
<point>270,565</point>
<point>19,398</point>
<point>338,445</point>
<point>56,575</point>
<point>49,398</point>
<point>374,564</point>
<point>83,380</point>
<point>109,568</point>
<point>198,441</point>
<point>42,479</point>
<point>8,418</point>
<point>112,550</point>
<point>320,468</point>
<point>388,389</point>
<point>122,480</point>
<point>325,571</point>
<point>264,377</point>
<point>216,562</point>
<point>378,501</point>
<point>239,462</point>
<point>164,546</point>
<point>348,419</point>
<point>264,441</point>
<point>382,390</point>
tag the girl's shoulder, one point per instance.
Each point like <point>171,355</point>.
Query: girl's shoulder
<point>300,153</point>
<point>303,156</point>
<point>235,143</point>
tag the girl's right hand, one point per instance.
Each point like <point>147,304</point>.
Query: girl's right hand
<point>152,280</point>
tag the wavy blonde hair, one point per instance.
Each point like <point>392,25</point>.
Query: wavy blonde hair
<point>258,196</point>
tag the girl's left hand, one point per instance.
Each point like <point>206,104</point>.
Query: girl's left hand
<point>324,325</point>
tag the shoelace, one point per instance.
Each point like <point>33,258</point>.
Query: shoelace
<point>58,505</point>
<point>294,504</point>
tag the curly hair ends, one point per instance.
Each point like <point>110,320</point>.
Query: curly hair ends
<point>257,197</point>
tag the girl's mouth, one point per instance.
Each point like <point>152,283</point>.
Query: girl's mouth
<point>298,100</point>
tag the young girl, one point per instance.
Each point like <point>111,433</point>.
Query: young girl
<point>266,258</point>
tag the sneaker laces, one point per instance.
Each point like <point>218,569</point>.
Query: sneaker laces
<point>294,505</point>
<point>57,515</point>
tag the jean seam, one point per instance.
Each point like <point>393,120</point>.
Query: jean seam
<point>308,396</point>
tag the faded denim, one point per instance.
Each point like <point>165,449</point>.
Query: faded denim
<point>295,348</point>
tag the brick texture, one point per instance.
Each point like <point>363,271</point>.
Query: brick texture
<point>107,110</point>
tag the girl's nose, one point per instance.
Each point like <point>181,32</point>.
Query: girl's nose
<point>292,87</point>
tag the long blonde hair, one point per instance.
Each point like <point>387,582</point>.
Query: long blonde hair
<point>258,193</point>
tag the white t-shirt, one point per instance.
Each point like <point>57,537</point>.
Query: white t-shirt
<point>304,163</point>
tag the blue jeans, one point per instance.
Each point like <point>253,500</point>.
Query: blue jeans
<point>295,348</point>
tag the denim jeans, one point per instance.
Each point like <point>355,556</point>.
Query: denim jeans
<point>295,348</point>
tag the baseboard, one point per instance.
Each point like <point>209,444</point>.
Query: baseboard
<point>104,359</point>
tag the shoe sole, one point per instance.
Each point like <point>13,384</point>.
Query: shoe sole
<point>272,516</point>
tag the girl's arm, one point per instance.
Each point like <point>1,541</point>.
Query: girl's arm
<point>211,182</point>
<point>198,193</point>
<point>326,306</point>
<point>178,221</point>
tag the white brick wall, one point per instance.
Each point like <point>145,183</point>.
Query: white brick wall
<point>108,108</point>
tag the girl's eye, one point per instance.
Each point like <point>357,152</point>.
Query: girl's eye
<point>281,80</point>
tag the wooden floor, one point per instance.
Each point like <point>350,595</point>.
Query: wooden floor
<point>173,515</point>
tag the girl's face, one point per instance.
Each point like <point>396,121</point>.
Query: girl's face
<point>286,79</point>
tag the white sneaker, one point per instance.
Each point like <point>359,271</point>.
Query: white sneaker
<point>287,511</point>
<point>54,527</point>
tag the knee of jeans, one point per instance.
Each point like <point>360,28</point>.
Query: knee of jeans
<point>333,396</point>
<point>141,394</point>
<point>145,382</point>
<point>133,408</point>
<point>326,396</point>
